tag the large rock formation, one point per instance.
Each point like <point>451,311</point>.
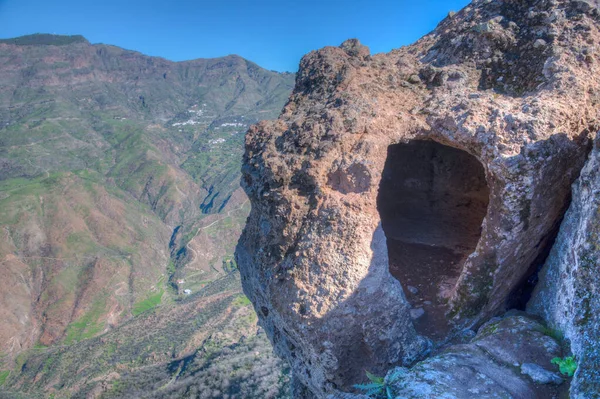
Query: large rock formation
<point>404,197</point>
<point>567,294</point>
<point>510,357</point>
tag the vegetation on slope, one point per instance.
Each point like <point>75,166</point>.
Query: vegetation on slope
<point>207,343</point>
<point>119,192</point>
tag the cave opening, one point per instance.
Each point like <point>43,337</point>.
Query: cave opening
<point>432,201</point>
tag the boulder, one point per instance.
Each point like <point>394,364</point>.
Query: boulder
<point>455,183</point>
<point>469,371</point>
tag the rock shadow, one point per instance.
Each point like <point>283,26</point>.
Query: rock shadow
<point>432,202</point>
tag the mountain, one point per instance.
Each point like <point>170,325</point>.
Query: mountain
<point>119,199</point>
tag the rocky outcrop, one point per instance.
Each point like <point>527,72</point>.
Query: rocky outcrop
<point>510,357</point>
<point>567,294</point>
<point>401,198</point>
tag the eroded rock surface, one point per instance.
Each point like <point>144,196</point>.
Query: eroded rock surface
<point>568,293</point>
<point>518,366</point>
<point>509,88</point>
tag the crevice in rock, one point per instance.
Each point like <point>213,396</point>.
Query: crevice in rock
<point>521,295</point>
<point>432,201</point>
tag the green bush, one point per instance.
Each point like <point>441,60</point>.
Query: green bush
<point>567,365</point>
<point>382,387</point>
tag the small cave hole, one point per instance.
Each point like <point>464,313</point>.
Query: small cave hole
<point>432,201</point>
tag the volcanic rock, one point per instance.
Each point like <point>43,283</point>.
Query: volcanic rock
<point>567,294</point>
<point>371,181</point>
<point>469,371</point>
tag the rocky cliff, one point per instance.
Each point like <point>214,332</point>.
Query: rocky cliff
<point>567,294</point>
<point>402,200</point>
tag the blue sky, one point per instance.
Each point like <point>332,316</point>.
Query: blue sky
<point>274,34</point>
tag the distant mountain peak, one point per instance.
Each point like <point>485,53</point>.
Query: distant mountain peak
<point>45,39</point>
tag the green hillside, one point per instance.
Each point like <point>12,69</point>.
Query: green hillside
<point>119,204</point>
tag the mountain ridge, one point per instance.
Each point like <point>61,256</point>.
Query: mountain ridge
<point>51,39</point>
<point>119,185</point>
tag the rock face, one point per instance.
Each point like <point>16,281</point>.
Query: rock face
<point>493,365</point>
<point>567,294</point>
<point>445,166</point>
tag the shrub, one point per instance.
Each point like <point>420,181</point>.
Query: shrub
<point>567,365</point>
<point>380,387</point>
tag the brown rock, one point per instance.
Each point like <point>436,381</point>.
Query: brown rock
<point>455,186</point>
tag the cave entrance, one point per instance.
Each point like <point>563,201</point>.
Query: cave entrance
<point>432,201</point>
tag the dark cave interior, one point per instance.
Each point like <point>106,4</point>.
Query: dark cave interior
<point>432,201</point>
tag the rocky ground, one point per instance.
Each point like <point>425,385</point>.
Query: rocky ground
<point>510,357</point>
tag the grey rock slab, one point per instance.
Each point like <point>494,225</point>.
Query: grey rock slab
<point>540,375</point>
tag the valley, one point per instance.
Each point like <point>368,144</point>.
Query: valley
<point>120,209</point>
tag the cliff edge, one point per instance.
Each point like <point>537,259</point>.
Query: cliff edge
<point>404,199</point>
